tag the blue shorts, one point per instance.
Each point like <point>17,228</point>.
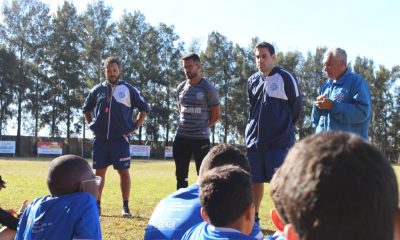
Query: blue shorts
<point>264,162</point>
<point>111,152</point>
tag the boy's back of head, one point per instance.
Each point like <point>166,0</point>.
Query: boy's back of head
<point>338,186</point>
<point>225,193</point>
<point>66,173</point>
<point>274,189</point>
<point>224,154</point>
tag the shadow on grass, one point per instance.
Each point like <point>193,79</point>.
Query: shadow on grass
<point>139,218</point>
<point>268,232</point>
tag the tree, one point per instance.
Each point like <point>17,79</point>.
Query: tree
<point>97,37</point>
<point>8,69</point>
<point>65,82</point>
<point>311,78</point>
<point>135,44</point>
<point>19,33</point>
<point>169,68</point>
<point>218,68</point>
<point>243,65</point>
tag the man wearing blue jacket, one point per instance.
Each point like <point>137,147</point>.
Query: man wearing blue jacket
<point>344,101</point>
<point>112,103</point>
<point>275,105</point>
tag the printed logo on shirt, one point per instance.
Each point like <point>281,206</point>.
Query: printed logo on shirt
<point>339,97</point>
<point>273,87</point>
<point>121,95</point>
<point>165,224</point>
<point>41,226</point>
<point>101,96</point>
<point>195,110</point>
<point>200,95</point>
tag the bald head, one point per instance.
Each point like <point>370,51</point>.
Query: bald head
<point>65,174</point>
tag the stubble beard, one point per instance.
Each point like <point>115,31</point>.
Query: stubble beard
<point>113,80</point>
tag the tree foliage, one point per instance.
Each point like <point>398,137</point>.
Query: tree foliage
<point>48,63</point>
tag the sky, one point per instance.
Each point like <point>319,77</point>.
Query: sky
<point>365,28</point>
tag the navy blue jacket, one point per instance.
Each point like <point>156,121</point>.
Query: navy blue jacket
<point>113,109</point>
<point>275,105</point>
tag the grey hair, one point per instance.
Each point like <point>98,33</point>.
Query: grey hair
<point>337,53</point>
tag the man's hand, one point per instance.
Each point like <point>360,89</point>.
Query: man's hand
<point>323,102</point>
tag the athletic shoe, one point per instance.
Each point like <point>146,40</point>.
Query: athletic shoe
<point>126,213</point>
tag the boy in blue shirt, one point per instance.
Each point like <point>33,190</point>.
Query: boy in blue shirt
<point>178,212</point>
<point>338,186</point>
<point>70,212</point>
<point>226,205</point>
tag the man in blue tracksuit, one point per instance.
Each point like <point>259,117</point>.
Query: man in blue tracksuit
<point>344,101</point>
<point>275,105</point>
<point>112,103</point>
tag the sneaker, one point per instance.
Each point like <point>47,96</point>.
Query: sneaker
<point>126,213</point>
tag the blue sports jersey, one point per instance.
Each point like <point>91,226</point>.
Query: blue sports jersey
<point>70,216</point>
<point>175,214</point>
<point>178,212</point>
<point>206,231</point>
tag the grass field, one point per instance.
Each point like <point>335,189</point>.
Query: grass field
<point>151,181</point>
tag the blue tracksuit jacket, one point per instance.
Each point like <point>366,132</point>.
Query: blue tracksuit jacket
<point>275,105</point>
<point>351,109</point>
<point>113,109</point>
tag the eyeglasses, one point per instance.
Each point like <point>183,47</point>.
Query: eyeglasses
<point>96,178</point>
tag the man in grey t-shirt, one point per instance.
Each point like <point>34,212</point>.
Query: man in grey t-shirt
<point>198,104</point>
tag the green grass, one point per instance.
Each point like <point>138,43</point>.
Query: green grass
<point>151,181</point>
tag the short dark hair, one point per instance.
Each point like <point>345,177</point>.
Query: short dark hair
<point>224,154</point>
<point>192,56</point>
<point>111,60</point>
<point>2,183</point>
<point>65,173</point>
<point>225,192</point>
<point>338,186</point>
<point>266,45</point>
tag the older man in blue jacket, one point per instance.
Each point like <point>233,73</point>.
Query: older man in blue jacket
<point>344,103</point>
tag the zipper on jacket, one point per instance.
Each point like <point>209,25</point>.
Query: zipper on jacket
<point>109,110</point>
<point>259,114</point>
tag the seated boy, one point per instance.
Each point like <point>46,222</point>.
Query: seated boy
<point>338,186</point>
<point>175,214</point>
<point>70,212</point>
<point>226,205</point>
<point>9,218</point>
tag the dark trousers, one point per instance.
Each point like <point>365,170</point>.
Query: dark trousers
<point>183,149</point>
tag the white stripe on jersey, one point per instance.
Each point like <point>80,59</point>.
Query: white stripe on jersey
<point>296,88</point>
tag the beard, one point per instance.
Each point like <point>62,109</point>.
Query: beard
<point>113,80</point>
<point>191,76</point>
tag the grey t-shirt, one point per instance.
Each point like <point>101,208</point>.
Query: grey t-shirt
<point>195,112</point>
